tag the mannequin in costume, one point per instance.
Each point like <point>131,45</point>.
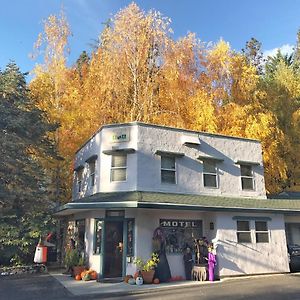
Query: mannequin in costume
<point>162,270</point>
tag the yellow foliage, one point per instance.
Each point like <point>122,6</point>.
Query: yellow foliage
<point>140,73</point>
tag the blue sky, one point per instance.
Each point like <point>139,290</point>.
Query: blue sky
<point>274,23</point>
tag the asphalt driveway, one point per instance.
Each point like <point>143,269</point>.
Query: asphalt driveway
<point>32,287</point>
<point>45,287</point>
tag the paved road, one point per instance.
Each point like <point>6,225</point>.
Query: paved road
<point>44,287</point>
<point>268,288</point>
<point>32,287</point>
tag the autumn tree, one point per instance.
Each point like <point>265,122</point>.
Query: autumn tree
<point>48,90</point>
<point>138,72</point>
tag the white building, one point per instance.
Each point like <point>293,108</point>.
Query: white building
<point>131,178</point>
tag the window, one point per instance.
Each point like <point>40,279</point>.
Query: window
<point>168,169</point>
<point>79,179</point>
<point>243,232</point>
<point>247,177</point>
<point>98,236</point>
<point>210,173</point>
<point>180,234</point>
<point>118,167</point>
<point>261,232</point>
<point>92,169</point>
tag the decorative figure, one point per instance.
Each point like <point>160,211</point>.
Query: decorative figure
<point>188,263</point>
<point>201,251</point>
<point>162,270</point>
<point>211,262</point>
<point>139,280</point>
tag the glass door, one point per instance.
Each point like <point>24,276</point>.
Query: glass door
<point>113,249</point>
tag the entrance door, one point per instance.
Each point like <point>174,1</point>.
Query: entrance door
<point>113,249</point>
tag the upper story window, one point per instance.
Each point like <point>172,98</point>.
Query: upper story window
<point>210,173</point>
<point>168,169</point>
<point>79,174</point>
<point>118,167</point>
<point>247,177</point>
<point>261,232</point>
<point>243,232</point>
<point>92,169</point>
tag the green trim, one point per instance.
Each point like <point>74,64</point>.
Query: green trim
<point>124,254</point>
<point>118,151</point>
<point>121,200</point>
<point>246,162</point>
<point>203,157</point>
<point>169,153</point>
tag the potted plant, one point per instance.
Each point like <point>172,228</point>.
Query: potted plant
<point>74,262</point>
<point>146,268</point>
<point>79,267</point>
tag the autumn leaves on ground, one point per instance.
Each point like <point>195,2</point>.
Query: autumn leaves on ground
<point>137,71</point>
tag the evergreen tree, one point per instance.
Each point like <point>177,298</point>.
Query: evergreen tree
<point>254,55</point>
<point>24,192</point>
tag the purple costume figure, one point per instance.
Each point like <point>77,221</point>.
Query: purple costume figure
<point>211,263</point>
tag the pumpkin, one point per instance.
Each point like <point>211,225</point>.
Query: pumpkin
<point>156,281</point>
<point>93,274</point>
<point>83,273</point>
<point>78,277</point>
<point>136,274</point>
<point>131,281</point>
<point>127,277</point>
<point>86,277</point>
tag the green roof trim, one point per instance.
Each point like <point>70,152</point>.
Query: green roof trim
<point>118,151</point>
<point>246,162</point>
<point>161,200</point>
<point>169,153</point>
<point>204,157</point>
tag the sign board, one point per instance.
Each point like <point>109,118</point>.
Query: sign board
<point>120,135</point>
<point>180,223</point>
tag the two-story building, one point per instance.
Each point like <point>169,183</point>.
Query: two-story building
<point>131,178</point>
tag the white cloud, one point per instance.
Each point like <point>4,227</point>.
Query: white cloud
<point>284,49</point>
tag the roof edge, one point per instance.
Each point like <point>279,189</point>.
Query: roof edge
<point>218,135</point>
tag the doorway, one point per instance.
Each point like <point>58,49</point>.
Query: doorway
<point>113,249</point>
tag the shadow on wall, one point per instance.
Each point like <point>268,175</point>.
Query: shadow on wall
<point>231,258</point>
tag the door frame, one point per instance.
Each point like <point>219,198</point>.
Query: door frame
<point>102,253</point>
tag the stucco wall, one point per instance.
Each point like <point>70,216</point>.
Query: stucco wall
<point>146,222</point>
<point>94,261</point>
<point>250,258</point>
<point>143,166</point>
<point>190,169</point>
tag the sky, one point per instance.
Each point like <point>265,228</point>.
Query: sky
<point>273,22</point>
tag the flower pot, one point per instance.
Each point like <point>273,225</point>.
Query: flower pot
<point>77,270</point>
<point>148,276</point>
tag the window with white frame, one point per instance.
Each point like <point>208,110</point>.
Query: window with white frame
<point>247,177</point>
<point>92,169</point>
<point>210,173</point>
<point>261,232</point>
<point>243,232</point>
<point>168,169</point>
<point>79,174</point>
<point>118,167</point>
